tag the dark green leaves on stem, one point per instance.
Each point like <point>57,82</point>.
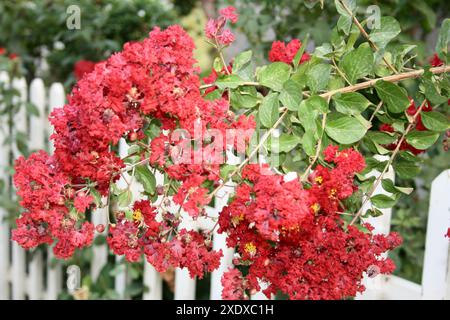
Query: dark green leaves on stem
<point>393,96</point>
<point>422,139</point>
<point>389,29</point>
<point>351,103</point>
<point>291,95</point>
<point>146,178</point>
<point>435,121</point>
<point>357,63</point>
<point>274,75</point>
<point>344,129</point>
<point>268,110</point>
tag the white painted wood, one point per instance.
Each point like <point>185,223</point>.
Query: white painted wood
<point>18,254</point>
<point>152,278</point>
<point>36,279</point>
<point>219,243</point>
<point>4,227</point>
<point>99,252</point>
<point>38,123</point>
<point>37,142</point>
<point>54,276</point>
<point>153,281</point>
<point>57,99</point>
<point>435,278</point>
<point>396,288</point>
<point>382,224</point>
<point>120,281</point>
<point>185,286</point>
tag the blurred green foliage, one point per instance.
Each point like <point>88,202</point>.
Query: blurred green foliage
<point>37,29</point>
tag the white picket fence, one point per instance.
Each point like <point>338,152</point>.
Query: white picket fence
<point>28,276</point>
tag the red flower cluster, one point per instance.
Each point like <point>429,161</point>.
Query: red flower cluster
<point>286,53</point>
<point>411,111</point>
<point>152,79</point>
<point>82,67</point>
<point>45,190</point>
<point>143,234</point>
<point>294,240</point>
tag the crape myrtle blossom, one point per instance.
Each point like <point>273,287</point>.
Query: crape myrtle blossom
<point>215,28</point>
<point>287,234</point>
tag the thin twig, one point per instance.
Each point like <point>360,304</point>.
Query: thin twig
<point>319,146</point>
<point>391,159</point>
<point>366,35</point>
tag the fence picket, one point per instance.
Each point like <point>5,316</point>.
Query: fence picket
<point>20,127</point>
<point>381,225</point>
<point>4,226</point>
<point>436,273</point>
<point>56,99</point>
<point>152,278</point>
<point>37,140</point>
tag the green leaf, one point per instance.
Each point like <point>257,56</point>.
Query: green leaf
<point>374,212</point>
<point>422,140</point>
<point>381,137</point>
<point>389,29</point>
<point>285,143</point>
<point>344,129</point>
<point>350,4</point>
<point>244,97</point>
<point>309,143</point>
<point>406,169</point>
<point>146,177</point>
<point>274,75</point>
<point>318,77</point>
<point>307,116</point>
<point>393,96</point>
<point>241,60</point>
<point>268,110</point>
<point>124,199</point>
<point>383,201</point>
<point>317,103</point>
<point>231,81</point>
<point>357,63</point>
<point>389,186</point>
<point>435,121</point>
<point>291,96</point>
<point>350,103</point>
<point>97,197</point>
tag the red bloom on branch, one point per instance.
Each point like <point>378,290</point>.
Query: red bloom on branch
<point>286,53</point>
<point>82,67</point>
<point>435,61</point>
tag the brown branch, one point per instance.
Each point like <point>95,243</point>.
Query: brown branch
<point>393,78</point>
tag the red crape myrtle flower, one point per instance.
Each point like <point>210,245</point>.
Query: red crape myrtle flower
<point>82,67</point>
<point>152,79</point>
<point>294,239</point>
<point>286,53</point>
<point>43,188</point>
